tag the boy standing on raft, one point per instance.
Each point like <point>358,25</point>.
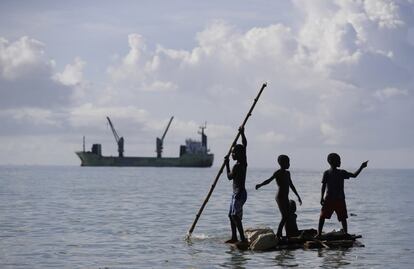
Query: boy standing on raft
<point>333,179</point>
<point>238,175</point>
<point>284,182</point>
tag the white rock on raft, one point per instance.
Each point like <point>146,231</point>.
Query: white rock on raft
<point>261,238</point>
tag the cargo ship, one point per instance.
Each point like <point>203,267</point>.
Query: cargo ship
<point>193,154</point>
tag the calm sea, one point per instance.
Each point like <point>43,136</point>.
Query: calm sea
<point>76,217</point>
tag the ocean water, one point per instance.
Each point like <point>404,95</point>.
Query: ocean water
<point>79,217</point>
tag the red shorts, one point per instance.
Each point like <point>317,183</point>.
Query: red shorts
<point>337,205</point>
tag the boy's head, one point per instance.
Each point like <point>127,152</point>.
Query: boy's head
<point>334,160</point>
<point>238,153</point>
<point>292,206</point>
<point>283,161</point>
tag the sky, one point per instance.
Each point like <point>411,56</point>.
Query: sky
<point>339,79</point>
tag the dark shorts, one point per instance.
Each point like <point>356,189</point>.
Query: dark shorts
<point>337,205</point>
<point>237,202</point>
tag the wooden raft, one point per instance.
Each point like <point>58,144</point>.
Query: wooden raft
<point>307,240</point>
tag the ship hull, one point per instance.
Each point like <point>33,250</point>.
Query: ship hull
<point>186,160</point>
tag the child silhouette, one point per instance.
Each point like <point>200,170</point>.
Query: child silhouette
<point>284,182</point>
<point>333,181</point>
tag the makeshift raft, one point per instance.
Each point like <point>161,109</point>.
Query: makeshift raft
<point>265,240</point>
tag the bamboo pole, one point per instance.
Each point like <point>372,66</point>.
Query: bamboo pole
<point>224,163</point>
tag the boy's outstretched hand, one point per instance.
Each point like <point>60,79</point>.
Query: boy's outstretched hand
<point>258,186</point>
<point>300,201</point>
<point>364,164</point>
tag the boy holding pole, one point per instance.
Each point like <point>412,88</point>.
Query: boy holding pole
<point>239,197</point>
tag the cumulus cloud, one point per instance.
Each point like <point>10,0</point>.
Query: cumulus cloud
<point>26,76</point>
<point>89,114</point>
<point>72,74</point>
<point>272,137</point>
<point>129,67</point>
<point>22,58</point>
<point>35,116</point>
<point>336,77</point>
<point>328,72</point>
<point>389,93</point>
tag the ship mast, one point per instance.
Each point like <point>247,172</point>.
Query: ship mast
<point>203,137</point>
<point>119,140</point>
<point>160,141</point>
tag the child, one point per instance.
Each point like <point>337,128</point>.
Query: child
<point>291,226</point>
<point>238,175</point>
<point>333,179</point>
<point>284,182</point>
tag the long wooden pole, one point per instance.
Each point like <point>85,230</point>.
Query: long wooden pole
<point>224,163</point>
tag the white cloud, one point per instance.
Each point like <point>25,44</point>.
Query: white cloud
<point>129,67</point>
<point>89,114</point>
<point>72,74</point>
<point>160,86</point>
<point>385,13</point>
<point>389,93</point>
<point>272,137</point>
<point>23,57</point>
<point>26,76</point>
<point>36,116</point>
<point>331,134</point>
<point>326,70</point>
<point>334,76</point>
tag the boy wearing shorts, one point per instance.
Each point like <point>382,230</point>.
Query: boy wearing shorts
<point>333,182</point>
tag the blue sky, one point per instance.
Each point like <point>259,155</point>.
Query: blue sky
<point>339,73</point>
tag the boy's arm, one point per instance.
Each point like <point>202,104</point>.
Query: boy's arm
<point>226,161</point>
<point>294,190</point>
<point>267,181</point>
<point>363,165</point>
<point>243,136</point>
<point>323,192</point>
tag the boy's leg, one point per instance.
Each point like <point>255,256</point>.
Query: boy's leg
<point>237,213</point>
<point>342,214</point>
<point>284,211</point>
<point>326,213</point>
<point>233,231</point>
<point>238,223</point>
<point>232,224</point>
<point>344,226</point>
<point>281,224</point>
<point>320,226</point>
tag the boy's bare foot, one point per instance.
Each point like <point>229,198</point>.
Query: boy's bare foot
<point>231,241</point>
<point>279,236</point>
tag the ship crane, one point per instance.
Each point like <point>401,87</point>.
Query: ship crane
<point>160,141</point>
<point>119,140</point>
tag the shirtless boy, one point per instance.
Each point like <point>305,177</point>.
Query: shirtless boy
<point>284,182</point>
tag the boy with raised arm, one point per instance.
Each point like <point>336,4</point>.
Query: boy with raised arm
<point>239,197</point>
<point>284,182</point>
<point>333,181</point>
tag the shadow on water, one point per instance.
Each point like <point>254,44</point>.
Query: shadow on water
<point>286,258</point>
<point>235,259</point>
<point>334,258</point>
<point>232,258</point>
